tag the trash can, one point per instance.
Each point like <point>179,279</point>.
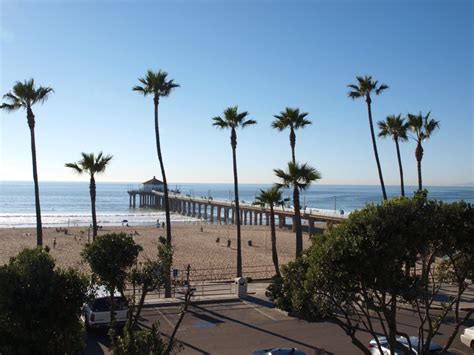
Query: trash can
<point>240,287</point>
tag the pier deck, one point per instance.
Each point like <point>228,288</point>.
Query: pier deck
<point>223,211</point>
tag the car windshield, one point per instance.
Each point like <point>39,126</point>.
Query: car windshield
<point>103,304</point>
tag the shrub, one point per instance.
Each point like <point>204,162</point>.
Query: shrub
<point>40,306</point>
<point>289,291</point>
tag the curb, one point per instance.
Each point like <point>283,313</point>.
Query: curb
<point>164,303</point>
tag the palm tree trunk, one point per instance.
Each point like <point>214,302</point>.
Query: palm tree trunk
<point>374,144</point>
<point>293,144</point>
<point>233,142</point>
<point>273,237</point>
<point>39,227</point>
<point>299,232</point>
<point>92,190</point>
<point>402,185</point>
<point>419,157</point>
<point>165,190</point>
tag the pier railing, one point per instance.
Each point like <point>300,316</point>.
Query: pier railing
<point>307,213</point>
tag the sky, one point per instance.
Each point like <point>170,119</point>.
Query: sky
<point>260,55</point>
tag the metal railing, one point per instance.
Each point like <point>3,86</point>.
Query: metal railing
<point>209,281</point>
<point>255,272</point>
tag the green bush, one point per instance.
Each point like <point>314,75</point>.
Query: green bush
<point>289,291</point>
<point>138,341</point>
<point>40,306</point>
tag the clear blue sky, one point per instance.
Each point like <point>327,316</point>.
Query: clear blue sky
<point>260,55</point>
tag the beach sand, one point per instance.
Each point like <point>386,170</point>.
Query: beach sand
<point>191,246</point>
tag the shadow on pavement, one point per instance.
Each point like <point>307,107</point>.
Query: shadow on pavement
<point>143,325</point>
<point>259,301</point>
<point>317,350</point>
<point>97,341</point>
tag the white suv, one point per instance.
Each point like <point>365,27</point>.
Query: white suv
<point>96,313</point>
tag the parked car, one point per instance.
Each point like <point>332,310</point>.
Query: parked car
<point>402,346</point>
<point>96,313</point>
<point>278,351</point>
<point>467,337</point>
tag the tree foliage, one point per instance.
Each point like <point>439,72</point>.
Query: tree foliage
<point>40,306</point>
<point>364,88</point>
<point>23,96</point>
<point>299,177</point>
<point>233,119</point>
<point>290,293</point>
<point>91,165</point>
<point>149,276</point>
<point>356,271</point>
<point>110,257</point>
<point>272,197</point>
<point>138,342</point>
<point>158,85</point>
<point>422,127</point>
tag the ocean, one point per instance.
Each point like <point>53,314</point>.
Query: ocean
<point>68,203</point>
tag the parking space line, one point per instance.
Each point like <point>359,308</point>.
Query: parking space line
<point>166,318</point>
<point>259,310</point>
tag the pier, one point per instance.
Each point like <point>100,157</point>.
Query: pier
<point>145,193</point>
<point>223,211</point>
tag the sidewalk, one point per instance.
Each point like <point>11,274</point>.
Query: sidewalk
<point>257,290</point>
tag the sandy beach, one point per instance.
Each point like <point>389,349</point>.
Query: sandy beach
<point>191,246</point>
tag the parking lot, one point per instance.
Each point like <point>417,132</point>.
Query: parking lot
<point>242,326</point>
<point>239,327</point>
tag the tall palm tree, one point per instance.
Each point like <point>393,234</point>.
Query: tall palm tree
<point>158,85</point>
<point>24,95</point>
<point>395,127</point>
<point>291,118</point>
<point>299,177</point>
<point>272,197</point>
<point>363,89</point>
<point>92,165</point>
<point>233,119</point>
<point>422,127</point>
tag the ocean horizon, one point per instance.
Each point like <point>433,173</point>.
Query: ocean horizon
<point>68,203</point>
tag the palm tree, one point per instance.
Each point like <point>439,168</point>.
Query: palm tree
<point>363,89</point>
<point>272,197</point>
<point>158,85</point>
<point>91,165</point>
<point>25,95</point>
<point>291,118</point>
<point>423,127</point>
<point>300,178</point>
<point>395,127</point>
<point>233,119</point>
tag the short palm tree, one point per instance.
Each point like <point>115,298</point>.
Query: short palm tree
<point>363,89</point>
<point>422,127</point>
<point>233,119</point>
<point>299,177</point>
<point>395,127</point>
<point>91,165</point>
<point>25,95</point>
<point>291,118</point>
<point>158,85</point>
<point>272,197</point>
